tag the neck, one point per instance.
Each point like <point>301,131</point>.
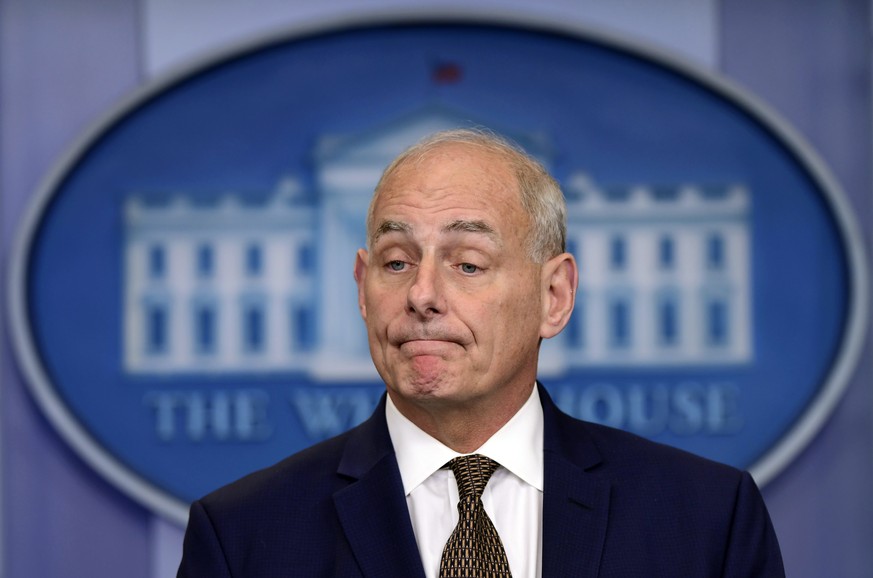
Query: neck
<point>463,427</point>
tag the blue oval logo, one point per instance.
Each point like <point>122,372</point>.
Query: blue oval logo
<point>182,297</point>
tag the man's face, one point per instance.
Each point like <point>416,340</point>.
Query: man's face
<point>452,303</point>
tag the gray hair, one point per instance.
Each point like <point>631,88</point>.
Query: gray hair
<point>540,194</point>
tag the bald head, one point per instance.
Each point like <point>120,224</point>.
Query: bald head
<point>539,194</point>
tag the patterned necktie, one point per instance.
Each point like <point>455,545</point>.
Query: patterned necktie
<point>474,549</point>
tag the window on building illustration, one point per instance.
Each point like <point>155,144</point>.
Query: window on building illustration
<point>717,333</point>
<point>668,321</point>
<point>157,261</point>
<point>617,253</point>
<point>306,258</point>
<point>205,261</point>
<point>254,328</point>
<point>205,328</point>
<point>302,328</point>
<point>254,260</point>
<point>666,253</point>
<point>157,337</point>
<point>619,324</point>
<point>715,252</point>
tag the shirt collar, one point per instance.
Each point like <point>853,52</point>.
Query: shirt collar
<point>517,446</point>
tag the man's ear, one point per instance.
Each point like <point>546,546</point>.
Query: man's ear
<point>361,261</point>
<point>560,278</point>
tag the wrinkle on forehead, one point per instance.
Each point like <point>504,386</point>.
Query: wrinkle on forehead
<point>424,183</point>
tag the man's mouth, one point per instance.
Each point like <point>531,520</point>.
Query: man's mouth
<point>438,347</point>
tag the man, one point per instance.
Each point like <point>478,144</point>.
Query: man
<point>464,275</point>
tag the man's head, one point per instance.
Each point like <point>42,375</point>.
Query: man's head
<point>465,274</point>
<point>539,193</point>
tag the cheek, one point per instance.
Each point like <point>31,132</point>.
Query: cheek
<point>382,304</point>
<point>520,314</point>
<point>500,322</point>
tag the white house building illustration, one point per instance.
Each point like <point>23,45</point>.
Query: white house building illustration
<point>236,285</point>
<point>664,275</point>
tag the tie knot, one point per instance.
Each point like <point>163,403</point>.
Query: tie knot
<point>472,473</point>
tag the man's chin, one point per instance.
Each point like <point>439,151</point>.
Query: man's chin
<point>430,389</point>
<point>427,371</point>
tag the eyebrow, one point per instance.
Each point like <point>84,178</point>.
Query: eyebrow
<point>457,226</point>
<point>386,227</point>
<point>464,226</point>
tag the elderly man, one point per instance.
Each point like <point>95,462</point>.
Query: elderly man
<point>467,468</point>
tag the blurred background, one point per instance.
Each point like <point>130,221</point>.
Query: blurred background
<point>81,80</point>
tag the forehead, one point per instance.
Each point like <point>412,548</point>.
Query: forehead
<point>452,180</point>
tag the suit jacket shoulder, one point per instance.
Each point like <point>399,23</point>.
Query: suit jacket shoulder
<point>627,506</point>
<point>334,509</point>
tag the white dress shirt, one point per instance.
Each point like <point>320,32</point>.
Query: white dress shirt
<point>513,497</point>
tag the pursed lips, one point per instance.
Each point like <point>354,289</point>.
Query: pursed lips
<point>416,347</point>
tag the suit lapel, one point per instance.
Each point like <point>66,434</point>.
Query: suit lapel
<point>575,499</point>
<point>374,516</point>
<point>372,508</point>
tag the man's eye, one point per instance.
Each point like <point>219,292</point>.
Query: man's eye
<point>469,268</point>
<point>396,265</point>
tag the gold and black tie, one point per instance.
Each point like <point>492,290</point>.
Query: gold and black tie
<point>474,549</point>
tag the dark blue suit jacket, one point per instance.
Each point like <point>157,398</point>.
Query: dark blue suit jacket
<point>614,505</point>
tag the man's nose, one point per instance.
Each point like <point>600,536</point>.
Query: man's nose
<point>425,296</point>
